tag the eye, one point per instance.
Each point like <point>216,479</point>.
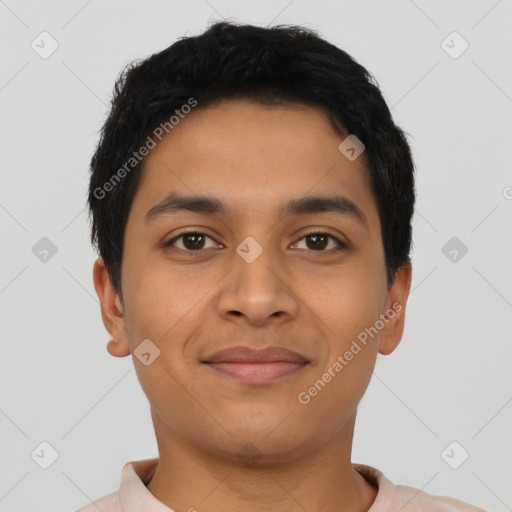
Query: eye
<point>191,241</point>
<point>194,241</point>
<point>320,240</point>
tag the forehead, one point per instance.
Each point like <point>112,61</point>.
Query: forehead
<point>253,157</point>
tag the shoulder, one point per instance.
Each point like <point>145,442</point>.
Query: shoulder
<point>392,497</point>
<point>413,500</point>
<point>134,476</point>
<point>109,503</point>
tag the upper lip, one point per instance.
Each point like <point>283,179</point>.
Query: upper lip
<point>244,354</point>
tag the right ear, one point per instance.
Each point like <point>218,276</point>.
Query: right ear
<point>112,311</point>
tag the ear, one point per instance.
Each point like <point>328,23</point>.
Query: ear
<point>391,333</point>
<point>112,311</point>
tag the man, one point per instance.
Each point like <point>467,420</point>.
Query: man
<point>251,200</point>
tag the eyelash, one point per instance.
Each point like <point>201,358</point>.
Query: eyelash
<point>342,246</point>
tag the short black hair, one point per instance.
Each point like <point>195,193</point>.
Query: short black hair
<point>271,66</point>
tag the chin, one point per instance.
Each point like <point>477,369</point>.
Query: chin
<point>258,439</point>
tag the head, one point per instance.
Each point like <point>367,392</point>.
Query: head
<point>234,135</point>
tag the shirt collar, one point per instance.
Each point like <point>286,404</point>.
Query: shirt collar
<point>135,496</point>
<point>386,490</point>
<point>133,493</point>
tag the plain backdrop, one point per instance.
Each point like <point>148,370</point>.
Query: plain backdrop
<point>445,393</point>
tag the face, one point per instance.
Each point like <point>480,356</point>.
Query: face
<point>255,312</point>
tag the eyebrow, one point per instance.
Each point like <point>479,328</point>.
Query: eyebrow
<point>208,205</point>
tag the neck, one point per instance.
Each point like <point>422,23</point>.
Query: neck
<point>190,479</point>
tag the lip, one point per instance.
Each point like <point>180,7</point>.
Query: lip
<point>245,354</point>
<point>256,366</point>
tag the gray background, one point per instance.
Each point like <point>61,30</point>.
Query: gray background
<point>450,378</point>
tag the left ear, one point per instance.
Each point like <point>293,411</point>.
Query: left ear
<point>391,333</point>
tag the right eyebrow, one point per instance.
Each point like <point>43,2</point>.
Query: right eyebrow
<point>175,202</point>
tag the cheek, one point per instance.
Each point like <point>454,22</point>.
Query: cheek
<point>343,377</point>
<point>164,310</point>
<point>346,302</point>
<point>347,317</point>
<point>160,301</point>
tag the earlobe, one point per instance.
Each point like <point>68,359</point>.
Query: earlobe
<point>393,329</point>
<point>118,349</point>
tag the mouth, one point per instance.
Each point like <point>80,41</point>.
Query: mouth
<point>256,366</point>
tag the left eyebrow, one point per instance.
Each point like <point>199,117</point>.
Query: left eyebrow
<point>320,204</point>
<point>208,205</point>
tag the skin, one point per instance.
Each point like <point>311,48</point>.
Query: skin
<point>313,301</point>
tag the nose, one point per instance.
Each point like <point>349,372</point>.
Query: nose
<point>258,291</point>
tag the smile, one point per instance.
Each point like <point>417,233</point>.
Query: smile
<point>257,373</point>
<point>256,366</point>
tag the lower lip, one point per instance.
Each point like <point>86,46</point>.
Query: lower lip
<point>257,373</point>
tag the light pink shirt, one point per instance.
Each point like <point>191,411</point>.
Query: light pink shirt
<point>133,496</point>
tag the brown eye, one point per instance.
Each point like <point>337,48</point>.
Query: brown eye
<point>190,241</point>
<point>319,242</point>
<point>194,241</point>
